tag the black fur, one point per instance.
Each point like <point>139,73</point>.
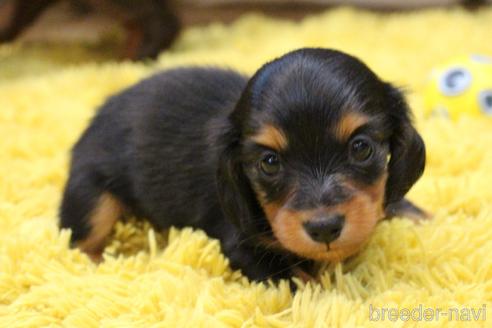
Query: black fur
<point>174,149</point>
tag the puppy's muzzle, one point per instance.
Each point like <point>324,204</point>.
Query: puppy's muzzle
<point>326,228</point>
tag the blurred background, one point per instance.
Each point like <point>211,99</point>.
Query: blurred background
<point>50,33</point>
<point>89,20</point>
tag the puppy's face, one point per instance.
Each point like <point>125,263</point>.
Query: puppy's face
<point>321,187</point>
<point>322,147</point>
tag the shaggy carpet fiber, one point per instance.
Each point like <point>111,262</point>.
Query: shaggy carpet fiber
<point>181,279</point>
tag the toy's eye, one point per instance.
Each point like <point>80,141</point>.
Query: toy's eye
<point>485,101</point>
<point>455,81</point>
<point>270,164</point>
<point>361,149</point>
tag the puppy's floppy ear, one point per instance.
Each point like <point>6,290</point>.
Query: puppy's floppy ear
<point>407,149</point>
<point>235,193</point>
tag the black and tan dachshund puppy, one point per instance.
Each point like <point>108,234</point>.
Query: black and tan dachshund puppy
<point>292,166</point>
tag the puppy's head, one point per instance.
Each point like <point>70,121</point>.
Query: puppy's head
<point>318,145</point>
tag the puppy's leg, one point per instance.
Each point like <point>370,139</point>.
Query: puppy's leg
<point>90,212</point>
<point>256,262</point>
<point>405,208</point>
<point>303,275</point>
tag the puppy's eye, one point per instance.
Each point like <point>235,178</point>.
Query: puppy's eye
<point>361,149</point>
<point>270,164</point>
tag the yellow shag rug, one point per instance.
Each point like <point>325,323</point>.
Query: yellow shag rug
<point>444,264</point>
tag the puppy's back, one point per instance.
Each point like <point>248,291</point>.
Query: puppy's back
<point>177,152</point>
<point>149,147</point>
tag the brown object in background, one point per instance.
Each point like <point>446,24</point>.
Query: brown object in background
<point>16,15</point>
<point>151,26</point>
<point>192,12</point>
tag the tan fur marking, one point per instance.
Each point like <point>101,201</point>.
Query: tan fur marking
<point>361,212</point>
<point>361,216</point>
<point>376,192</point>
<point>286,225</point>
<point>271,210</point>
<point>288,228</point>
<point>102,220</point>
<point>272,137</point>
<point>348,124</point>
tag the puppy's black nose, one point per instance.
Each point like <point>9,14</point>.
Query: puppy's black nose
<point>325,229</point>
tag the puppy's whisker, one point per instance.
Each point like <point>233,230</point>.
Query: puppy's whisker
<point>261,258</point>
<point>252,237</point>
<point>290,267</point>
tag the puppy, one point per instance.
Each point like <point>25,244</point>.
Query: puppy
<point>293,166</point>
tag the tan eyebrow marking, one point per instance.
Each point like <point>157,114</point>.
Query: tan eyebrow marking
<point>272,137</point>
<point>348,124</point>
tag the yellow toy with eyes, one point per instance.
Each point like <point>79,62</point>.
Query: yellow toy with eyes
<point>461,86</point>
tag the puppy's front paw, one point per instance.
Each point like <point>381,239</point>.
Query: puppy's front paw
<point>303,275</point>
<point>405,208</point>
